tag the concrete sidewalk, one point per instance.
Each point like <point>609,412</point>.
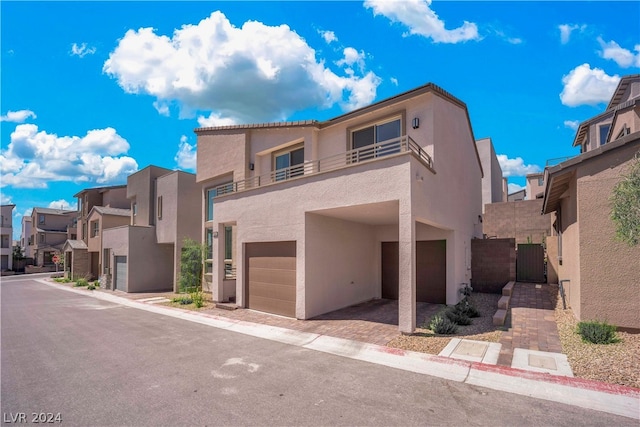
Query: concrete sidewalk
<point>618,400</point>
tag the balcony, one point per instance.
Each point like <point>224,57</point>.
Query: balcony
<point>354,157</point>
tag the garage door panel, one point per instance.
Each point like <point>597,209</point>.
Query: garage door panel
<point>272,290</point>
<point>269,275</point>
<point>276,306</point>
<point>273,262</point>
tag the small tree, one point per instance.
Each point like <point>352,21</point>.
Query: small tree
<point>191,259</point>
<point>17,253</point>
<point>625,205</point>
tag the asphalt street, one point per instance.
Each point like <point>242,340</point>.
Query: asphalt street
<point>97,363</point>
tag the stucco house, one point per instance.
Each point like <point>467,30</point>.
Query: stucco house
<point>6,237</point>
<point>109,208</point>
<point>494,185</point>
<point>381,202</point>
<point>144,255</point>
<point>50,229</point>
<point>600,274</point>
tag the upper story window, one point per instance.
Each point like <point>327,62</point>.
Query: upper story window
<point>211,194</point>
<point>95,228</point>
<point>541,181</point>
<point>159,207</point>
<point>604,131</point>
<point>41,238</point>
<point>289,163</point>
<point>41,219</point>
<point>376,134</point>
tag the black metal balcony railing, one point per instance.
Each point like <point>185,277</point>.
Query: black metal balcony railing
<point>371,152</point>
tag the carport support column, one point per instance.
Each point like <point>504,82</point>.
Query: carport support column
<point>407,274</point>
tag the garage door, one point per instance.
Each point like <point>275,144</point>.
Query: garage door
<point>431,271</point>
<point>270,269</point>
<point>120,278</point>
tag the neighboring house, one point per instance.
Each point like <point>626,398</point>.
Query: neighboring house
<point>24,237</point>
<point>110,208</point>
<point>165,208</point>
<point>381,202</point>
<point>50,228</point>
<point>601,272</point>
<point>517,196</point>
<point>535,186</point>
<point>619,119</point>
<point>493,184</point>
<point>6,237</point>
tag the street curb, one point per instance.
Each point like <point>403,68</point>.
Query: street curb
<point>588,394</point>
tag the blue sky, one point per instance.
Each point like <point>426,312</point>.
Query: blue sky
<point>93,91</point>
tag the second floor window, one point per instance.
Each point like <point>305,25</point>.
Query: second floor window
<point>289,163</point>
<point>604,132</point>
<point>376,134</point>
<point>95,228</point>
<point>159,208</point>
<point>40,219</point>
<point>41,238</point>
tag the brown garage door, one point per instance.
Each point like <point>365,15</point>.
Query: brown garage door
<point>270,269</point>
<point>431,271</point>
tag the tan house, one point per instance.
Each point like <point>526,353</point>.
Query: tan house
<point>6,236</point>
<point>144,255</point>
<point>493,184</point>
<point>109,207</point>
<point>599,273</point>
<point>50,229</point>
<point>381,202</point>
<point>535,186</point>
<point>25,234</point>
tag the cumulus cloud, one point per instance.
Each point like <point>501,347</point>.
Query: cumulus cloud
<point>572,124</point>
<point>584,85</point>
<point>394,81</point>
<point>5,199</point>
<point>623,57</point>
<point>567,29</point>
<point>515,167</point>
<point>186,156</point>
<point>252,73</point>
<point>418,17</point>
<point>328,36</point>
<point>82,50</point>
<point>62,205</point>
<point>33,158</point>
<point>17,116</point>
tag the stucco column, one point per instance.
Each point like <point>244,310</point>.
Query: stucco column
<point>217,276</point>
<point>407,273</point>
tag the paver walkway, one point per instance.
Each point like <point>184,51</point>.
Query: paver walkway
<point>532,321</point>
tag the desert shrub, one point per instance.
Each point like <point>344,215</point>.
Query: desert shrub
<point>91,286</point>
<point>598,332</point>
<point>198,299</point>
<point>82,282</point>
<point>466,307</point>
<point>456,316</point>
<point>625,204</point>
<point>62,280</point>
<point>191,259</point>
<point>442,325</point>
<point>185,300</point>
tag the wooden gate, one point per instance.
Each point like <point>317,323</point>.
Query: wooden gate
<point>530,263</point>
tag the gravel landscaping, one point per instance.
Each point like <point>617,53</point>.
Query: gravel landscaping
<point>482,329</point>
<point>617,363</point>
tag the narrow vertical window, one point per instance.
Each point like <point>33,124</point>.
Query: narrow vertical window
<point>159,209</point>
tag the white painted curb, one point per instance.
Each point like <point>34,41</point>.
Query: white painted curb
<point>618,400</point>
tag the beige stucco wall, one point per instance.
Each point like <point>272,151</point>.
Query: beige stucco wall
<point>141,190</point>
<point>492,191</point>
<point>221,153</point>
<point>609,269</point>
<point>533,188</point>
<point>569,247</point>
<point>340,274</point>
<point>629,118</point>
<point>116,198</point>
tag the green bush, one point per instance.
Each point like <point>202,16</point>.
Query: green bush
<point>466,307</point>
<point>191,259</point>
<point>456,316</point>
<point>598,332</point>
<point>91,286</point>
<point>198,299</point>
<point>81,283</point>
<point>185,300</point>
<point>442,325</point>
<point>62,280</point>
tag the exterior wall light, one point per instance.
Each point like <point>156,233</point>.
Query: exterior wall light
<point>215,234</point>
<point>416,123</point>
<point>251,166</point>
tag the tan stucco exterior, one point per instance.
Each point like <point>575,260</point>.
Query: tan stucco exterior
<point>493,184</point>
<point>339,216</point>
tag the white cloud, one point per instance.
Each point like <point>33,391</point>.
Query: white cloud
<point>82,50</point>
<point>4,199</point>
<point>350,58</point>
<point>515,167</point>
<point>33,158</point>
<point>623,57</point>
<point>17,116</point>
<point>572,124</point>
<point>394,81</point>
<point>514,188</point>
<point>186,156</point>
<point>328,36</point>
<point>214,120</point>
<point>584,85</point>
<point>421,20</point>
<point>207,66</point>
<point>62,205</point>
<point>567,29</point>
